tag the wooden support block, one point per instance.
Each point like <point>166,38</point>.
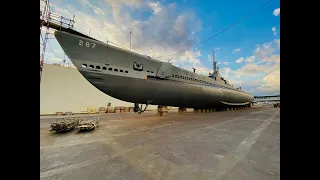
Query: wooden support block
<point>59,113</point>
<point>68,113</point>
<point>110,109</point>
<point>162,110</point>
<point>117,109</point>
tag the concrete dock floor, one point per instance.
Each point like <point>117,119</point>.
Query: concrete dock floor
<point>242,144</point>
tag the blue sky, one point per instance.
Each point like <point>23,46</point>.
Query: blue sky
<point>164,27</point>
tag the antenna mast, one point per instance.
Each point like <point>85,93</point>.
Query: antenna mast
<point>214,61</point>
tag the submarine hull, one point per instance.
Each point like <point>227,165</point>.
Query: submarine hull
<point>111,70</point>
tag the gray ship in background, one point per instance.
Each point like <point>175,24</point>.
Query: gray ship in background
<point>140,79</point>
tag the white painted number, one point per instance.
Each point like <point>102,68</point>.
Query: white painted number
<point>88,44</point>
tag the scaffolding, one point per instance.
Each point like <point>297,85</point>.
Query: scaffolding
<point>43,38</point>
<point>52,22</point>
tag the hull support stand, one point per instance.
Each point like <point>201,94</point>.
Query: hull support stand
<point>182,110</point>
<point>139,109</point>
<point>162,110</point>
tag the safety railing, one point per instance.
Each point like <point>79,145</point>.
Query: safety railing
<point>60,20</point>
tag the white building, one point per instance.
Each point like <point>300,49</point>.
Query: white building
<point>64,89</point>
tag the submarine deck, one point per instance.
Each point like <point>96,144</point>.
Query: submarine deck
<point>242,144</point>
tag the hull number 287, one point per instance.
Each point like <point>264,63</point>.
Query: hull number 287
<point>86,44</point>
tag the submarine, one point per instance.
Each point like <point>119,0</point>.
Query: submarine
<point>140,79</point>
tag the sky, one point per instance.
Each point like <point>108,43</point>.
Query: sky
<point>248,54</point>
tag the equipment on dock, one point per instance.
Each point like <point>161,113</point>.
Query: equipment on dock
<point>64,124</point>
<point>88,125</point>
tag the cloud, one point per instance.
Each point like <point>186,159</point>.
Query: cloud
<point>237,50</point>
<point>250,70</point>
<point>250,59</point>
<point>225,72</point>
<point>268,85</point>
<point>276,12</point>
<point>162,33</point>
<point>277,41</point>
<point>190,57</point>
<point>272,82</point>
<point>267,59</point>
<point>210,58</point>
<point>155,6</point>
<point>264,50</point>
<point>129,3</point>
<point>274,30</point>
<point>239,60</point>
<point>256,76</point>
<point>94,8</point>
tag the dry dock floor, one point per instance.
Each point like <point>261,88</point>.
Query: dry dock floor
<point>242,144</point>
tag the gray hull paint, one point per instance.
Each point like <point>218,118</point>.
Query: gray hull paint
<point>144,86</point>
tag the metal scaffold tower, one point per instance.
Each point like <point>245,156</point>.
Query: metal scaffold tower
<point>52,22</point>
